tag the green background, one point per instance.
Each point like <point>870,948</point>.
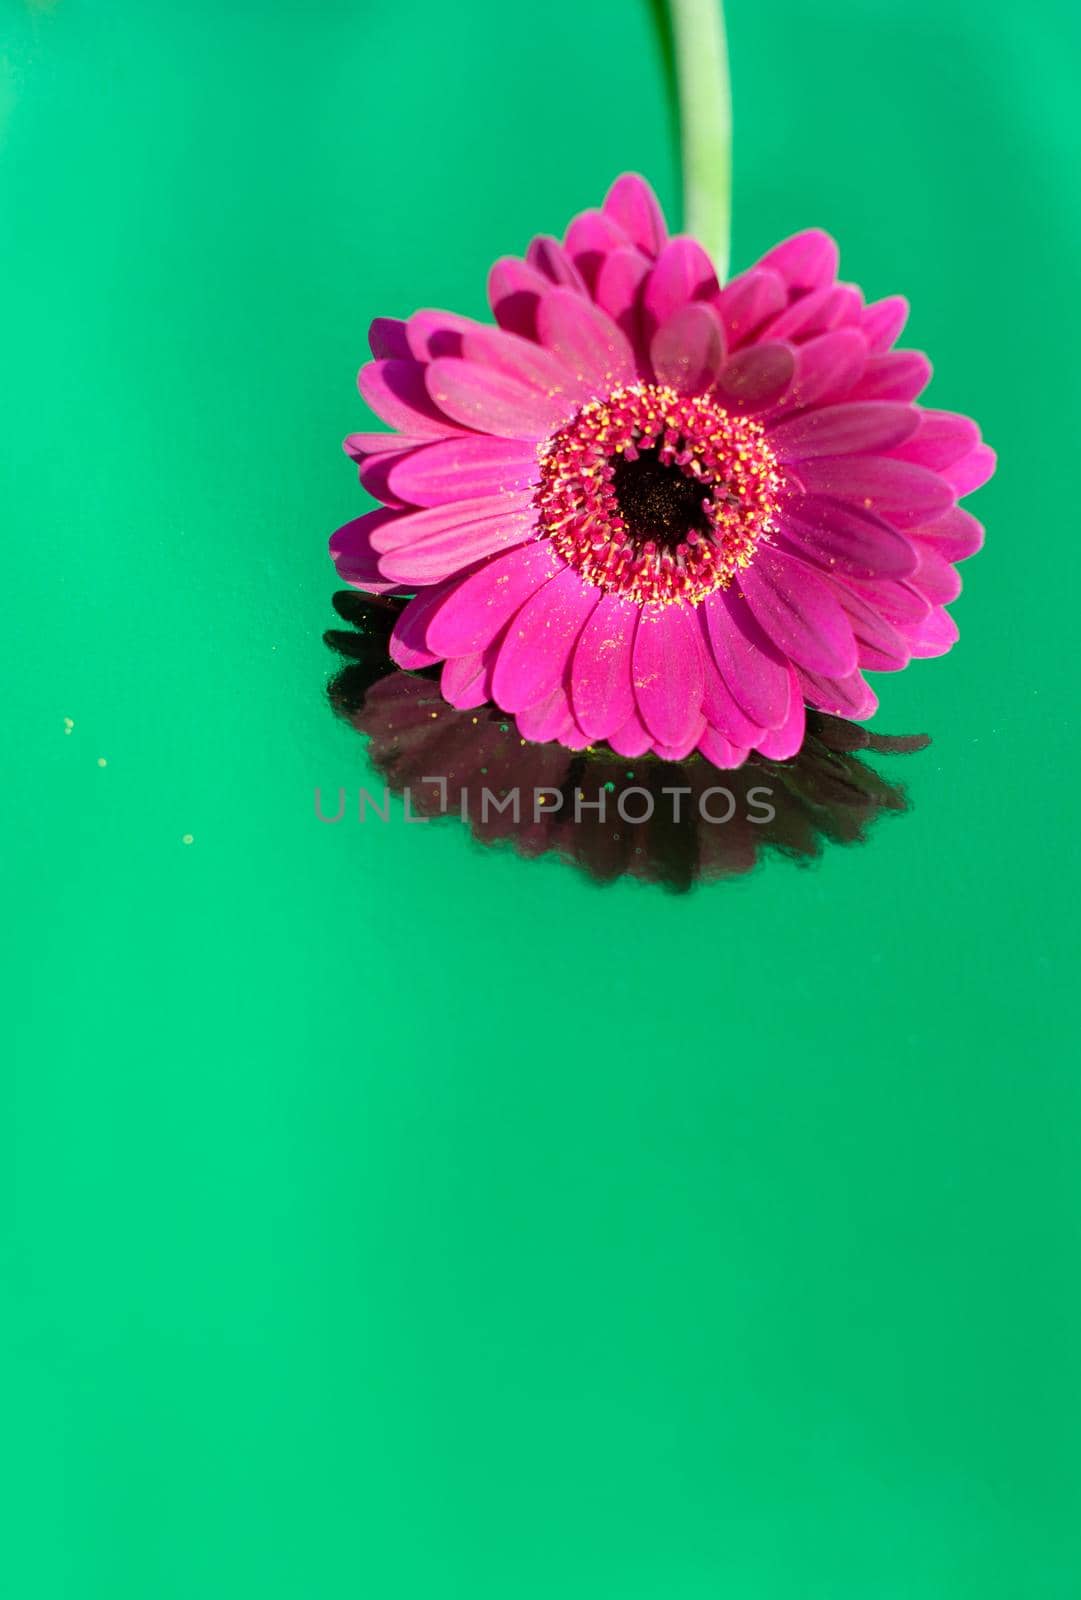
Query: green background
<point>385,1216</point>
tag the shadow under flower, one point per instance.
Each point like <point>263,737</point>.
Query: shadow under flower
<point>675,824</point>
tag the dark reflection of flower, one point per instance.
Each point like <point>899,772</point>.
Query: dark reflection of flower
<point>722,823</point>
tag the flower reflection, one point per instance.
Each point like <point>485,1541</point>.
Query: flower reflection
<point>670,823</point>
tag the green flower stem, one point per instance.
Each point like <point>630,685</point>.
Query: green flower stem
<point>705,115</point>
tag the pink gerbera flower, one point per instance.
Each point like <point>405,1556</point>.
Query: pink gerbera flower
<point>656,511</point>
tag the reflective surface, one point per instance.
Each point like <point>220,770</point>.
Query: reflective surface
<point>389,1216</point>
<point>676,824</point>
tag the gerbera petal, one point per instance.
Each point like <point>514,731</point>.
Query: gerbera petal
<point>972,471</point>
<point>362,445</point>
<point>756,379</point>
<point>842,308</point>
<point>466,681</point>
<point>754,670</point>
<point>464,468</point>
<point>934,636</point>
<point>883,320</point>
<point>493,402</point>
<point>374,473</point>
<point>619,292</point>
<point>550,259</point>
<point>514,291</point>
<point>828,365</point>
<point>846,537</point>
<point>631,203</point>
<point>667,669</point>
<point>682,273</point>
<point>748,301</point>
<point>451,552</point>
<point>935,577</point>
<point>413,527</point>
<point>355,557</point>
<point>589,239</point>
<point>799,612</point>
<point>396,391</point>
<point>718,705</point>
<point>782,743</point>
<point>957,535</point>
<point>547,719</point>
<point>687,351</point>
<point>850,696</point>
<point>941,438</point>
<point>479,606</point>
<point>807,260</point>
<point>448,548</point>
<point>409,646</point>
<point>436,333</point>
<point>585,339</point>
<point>601,691</point>
<point>572,735</point>
<point>632,739</point>
<point>538,644</point>
<point>860,427</point>
<point>802,318</point>
<point>895,599</point>
<point>881,647</point>
<point>721,751</point>
<point>515,357</point>
<point>900,491</point>
<point>897,375</point>
<point>388,339</point>
<point>680,751</point>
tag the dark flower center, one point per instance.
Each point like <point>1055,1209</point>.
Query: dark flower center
<point>657,501</point>
<point>657,497</point>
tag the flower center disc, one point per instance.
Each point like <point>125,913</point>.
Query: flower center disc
<point>656,496</point>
